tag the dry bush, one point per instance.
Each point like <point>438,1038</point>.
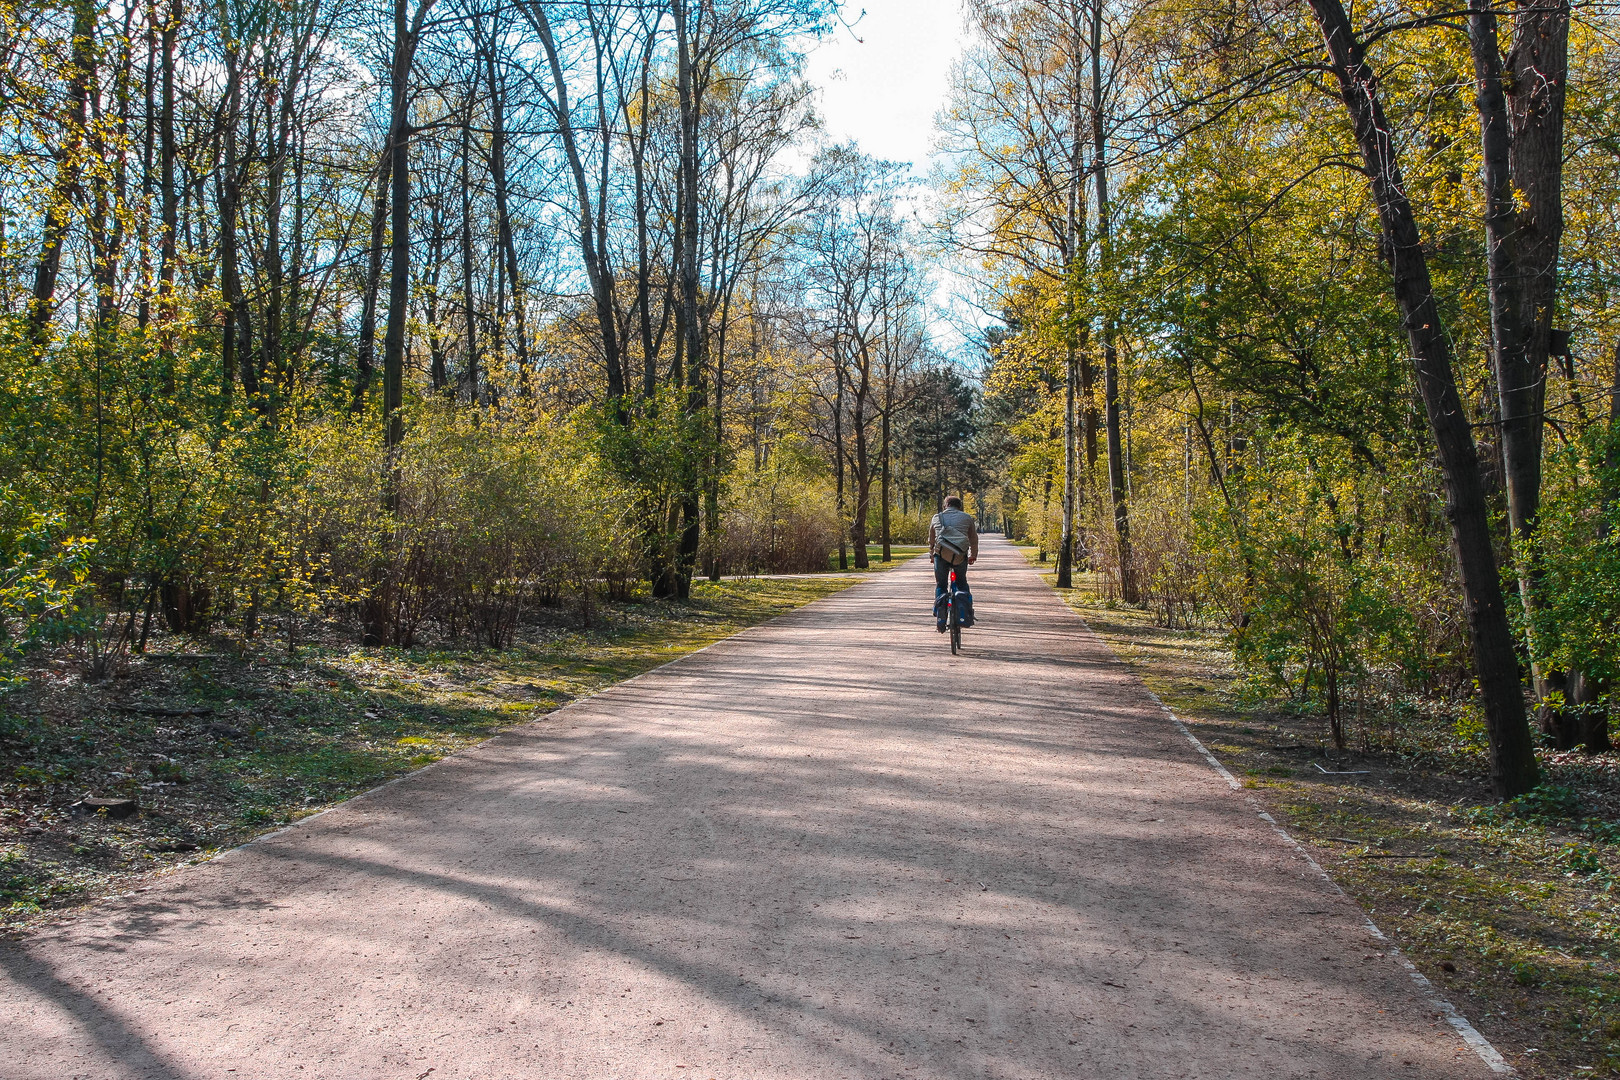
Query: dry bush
<point>489,521</point>
<point>1168,566</point>
<point>776,532</point>
<point>780,519</point>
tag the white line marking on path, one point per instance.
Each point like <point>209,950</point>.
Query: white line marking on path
<point>1469,1033</point>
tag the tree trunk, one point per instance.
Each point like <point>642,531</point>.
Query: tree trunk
<point>280,294</point>
<point>438,364</point>
<point>1116,452</point>
<point>58,211</point>
<point>1090,419</point>
<point>688,329</point>
<point>143,311</point>
<point>469,311</point>
<point>1513,764</point>
<point>593,246</point>
<point>884,461</point>
<point>838,455</point>
<point>237,338</point>
<point>294,350</point>
<point>1065,553</point>
<point>688,325</point>
<point>170,196</point>
<point>1046,510</point>
<point>1071,257</point>
<point>382,623</point>
<point>1540,67</point>
<point>863,470</point>
<point>638,164</point>
<point>109,194</point>
<point>406,33</point>
<point>399,253</point>
<point>717,421</point>
<point>366,343</point>
<point>1521,389</point>
<point>1116,466</point>
<point>275,277</point>
<point>939,480</point>
<point>503,216</point>
<point>1522,138</point>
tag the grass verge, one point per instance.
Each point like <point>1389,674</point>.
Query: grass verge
<point>899,553</point>
<point>217,748</point>
<point>1511,911</point>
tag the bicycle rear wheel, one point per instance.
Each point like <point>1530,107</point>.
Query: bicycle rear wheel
<point>956,635</point>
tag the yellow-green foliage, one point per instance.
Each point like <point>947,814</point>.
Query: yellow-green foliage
<point>43,580</point>
<point>1327,569</point>
<point>781,517</point>
<point>125,470</point>
<point>1577,554</point>
<point>479,516</point>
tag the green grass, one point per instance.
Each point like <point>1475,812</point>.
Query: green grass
<point>900,553</point>
<point>278,739</point>
<point>1512,912</point>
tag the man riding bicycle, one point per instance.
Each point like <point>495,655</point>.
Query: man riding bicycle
<point>953,543</point>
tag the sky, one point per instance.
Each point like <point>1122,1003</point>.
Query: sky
<point>883,77</point>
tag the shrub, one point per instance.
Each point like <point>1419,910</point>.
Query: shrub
<point>488,519</point>
<point>1576,549</point>
<point>45,591</point>
<point>779,519</point>
<point>1325,568</point>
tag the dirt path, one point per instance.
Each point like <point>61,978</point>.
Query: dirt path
<point>824,848</point>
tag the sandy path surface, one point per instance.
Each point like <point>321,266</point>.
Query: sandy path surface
<point>824,848</point>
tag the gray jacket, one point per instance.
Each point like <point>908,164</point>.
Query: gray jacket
<point>953,535</point>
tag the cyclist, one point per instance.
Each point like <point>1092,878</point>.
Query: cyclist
<point>953,543</point>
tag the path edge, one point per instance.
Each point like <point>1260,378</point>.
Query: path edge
<point>578,701</point>
<point>1470,1035</point>
<point>73,914</point>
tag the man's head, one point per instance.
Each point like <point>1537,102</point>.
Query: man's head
<point>953,502</point>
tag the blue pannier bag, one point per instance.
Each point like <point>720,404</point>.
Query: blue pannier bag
<point>964,598</point>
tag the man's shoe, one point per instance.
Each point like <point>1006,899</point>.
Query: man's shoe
<point>940,625</point>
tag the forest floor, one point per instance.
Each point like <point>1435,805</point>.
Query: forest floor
<point>218,747</point>
<point>1512,912</point>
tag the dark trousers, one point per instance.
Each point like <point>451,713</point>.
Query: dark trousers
<point>942,577</point>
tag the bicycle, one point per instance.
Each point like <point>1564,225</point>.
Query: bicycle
<point>953,616</point>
